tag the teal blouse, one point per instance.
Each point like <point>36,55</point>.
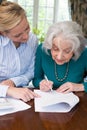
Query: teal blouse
<point>45,65</point>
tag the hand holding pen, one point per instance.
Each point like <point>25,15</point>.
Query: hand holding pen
<point>46,85</point>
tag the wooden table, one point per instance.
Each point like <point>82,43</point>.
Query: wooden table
<point>76,119</point>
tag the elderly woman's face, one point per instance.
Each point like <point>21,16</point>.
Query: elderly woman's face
<point>61,50</point>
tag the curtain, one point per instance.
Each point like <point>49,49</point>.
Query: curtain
<point>79,13</point>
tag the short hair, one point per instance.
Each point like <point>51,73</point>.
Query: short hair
<point>11,15</point>
<point>70,31</point>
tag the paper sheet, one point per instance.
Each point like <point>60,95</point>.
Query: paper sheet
<point>55,102</point>
<point>11,105</point>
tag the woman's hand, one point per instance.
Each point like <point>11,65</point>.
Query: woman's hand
<point>45,85</point>
<point>24,94</point>
<point>19,93</point>
<point>70,87</point>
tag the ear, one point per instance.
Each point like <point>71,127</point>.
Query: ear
<point>3,33</point>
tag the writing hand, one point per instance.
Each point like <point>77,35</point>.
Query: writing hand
<point>46,85</point>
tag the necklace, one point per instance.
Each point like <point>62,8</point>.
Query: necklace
<point>66,73</point>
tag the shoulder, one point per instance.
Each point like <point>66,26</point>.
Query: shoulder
<point>32,38</point>
<point>39,48</point>
<point>42,52</point>
<point>84,53</point>
<point>32,41</point>
<point>4,40</point>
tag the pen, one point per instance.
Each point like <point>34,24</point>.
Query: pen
<point>47,80</point>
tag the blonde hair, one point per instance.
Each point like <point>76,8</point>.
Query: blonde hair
<point>11,15</point>
<point>69,30</point>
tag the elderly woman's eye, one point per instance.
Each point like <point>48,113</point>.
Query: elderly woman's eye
<point>55,48</point>
<point>68,51</point>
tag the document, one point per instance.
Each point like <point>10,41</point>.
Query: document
<point>11,105</point>
<point>53,101</point>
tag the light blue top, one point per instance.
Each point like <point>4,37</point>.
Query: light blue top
<point>17,64</point>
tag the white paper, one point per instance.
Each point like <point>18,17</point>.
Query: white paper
<point>54,101</point>
<point>11,105</point>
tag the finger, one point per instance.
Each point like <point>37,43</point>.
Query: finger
<point>25,98</point>
<point>51,86</point>
<point>62,89</point>
<point>67,91</point>
<point>48,85</point>
<point>44,87</point>
<point>25,95</point>
<point>35,94</point>
<point>32,94</point>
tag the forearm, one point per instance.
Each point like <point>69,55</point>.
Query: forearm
<point>79,87</point>
<point>70,87</point>
<point>21,80</point>
<point>4,85</point>
<point>85,86</point>
<point>3,90</point>
<point>36,82</point>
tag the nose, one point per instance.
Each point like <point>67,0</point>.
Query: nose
<point>59,55</point>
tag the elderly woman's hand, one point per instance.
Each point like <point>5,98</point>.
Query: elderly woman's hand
<point>70,87</point>
<point>45,85</point>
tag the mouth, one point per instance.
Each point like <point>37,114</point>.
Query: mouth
<point>60,62</point>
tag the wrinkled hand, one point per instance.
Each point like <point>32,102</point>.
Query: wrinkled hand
<point>70,87</point>
<point>24,94</point>
<point>8,82</point>
<point>45,85</point>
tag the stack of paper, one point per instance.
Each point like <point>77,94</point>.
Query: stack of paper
<point>11,105</point>
<point>54,101</point>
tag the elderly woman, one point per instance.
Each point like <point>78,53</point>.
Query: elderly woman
<point>17,52</point>
<point>62,59</point>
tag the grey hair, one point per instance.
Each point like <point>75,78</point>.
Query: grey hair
<point>70,31</point>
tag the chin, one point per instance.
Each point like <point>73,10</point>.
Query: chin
<point>24,40</point>
<point>60,63</point>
